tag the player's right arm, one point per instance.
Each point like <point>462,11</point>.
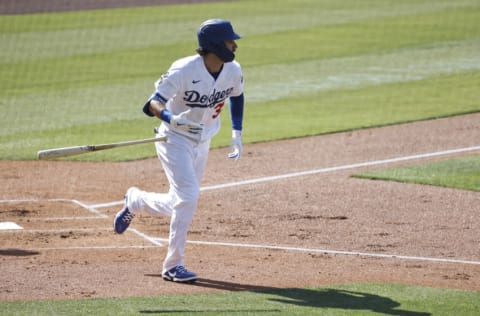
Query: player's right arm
<point>165,88</point>
<point>155,106</point>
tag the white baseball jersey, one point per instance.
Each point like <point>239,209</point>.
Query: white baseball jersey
<point>189,85</point>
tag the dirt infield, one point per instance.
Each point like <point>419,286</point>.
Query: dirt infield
<point>271,232</point>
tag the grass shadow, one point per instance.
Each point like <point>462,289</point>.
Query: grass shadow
<point>342,299</point>
<point>322,298</point>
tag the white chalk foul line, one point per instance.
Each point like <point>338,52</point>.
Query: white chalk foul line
<point>161,242</point>
<point>321,170</point>
<point>89,248</point>
<point>154,241</point>
<point>90,208</point>
<point>326,251</point>
<point>66,218</point>
<point>58,230</point>
<point>339,168</point>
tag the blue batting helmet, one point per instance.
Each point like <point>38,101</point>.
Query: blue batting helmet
<point>211,36</point>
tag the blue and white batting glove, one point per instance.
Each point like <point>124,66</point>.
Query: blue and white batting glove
<point>236,146</point>
<point>181,122</point>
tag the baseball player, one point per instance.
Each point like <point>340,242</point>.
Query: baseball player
<point>188,99</point>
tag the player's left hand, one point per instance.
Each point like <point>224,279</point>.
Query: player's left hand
<point>236,146</point>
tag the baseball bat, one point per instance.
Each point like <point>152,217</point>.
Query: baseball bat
<point>77,150</point>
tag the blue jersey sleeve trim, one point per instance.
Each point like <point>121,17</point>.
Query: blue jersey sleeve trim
<point>236,111</point>
<point>146,109</point>
<point>155,96</point>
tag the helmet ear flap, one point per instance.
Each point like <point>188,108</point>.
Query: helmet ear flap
<point>222,52</point>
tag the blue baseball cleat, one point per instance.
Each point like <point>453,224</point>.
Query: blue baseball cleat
<point>123,218</point>
<point>179,274</point>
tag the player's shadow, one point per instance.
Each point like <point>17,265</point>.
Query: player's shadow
<point>327,298</point>
<point>17,252</point>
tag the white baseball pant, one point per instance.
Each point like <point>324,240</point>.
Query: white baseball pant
<point>184,162</point>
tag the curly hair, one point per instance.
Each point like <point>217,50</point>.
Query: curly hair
<point>201,51</point>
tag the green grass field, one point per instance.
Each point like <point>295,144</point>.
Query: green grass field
<point>461,173</point>
<point>310,66</point>
<point>355,299</point>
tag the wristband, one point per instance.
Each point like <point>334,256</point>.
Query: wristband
<point>166,115</point>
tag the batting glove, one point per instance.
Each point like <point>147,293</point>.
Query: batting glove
<point>236,145</point>
<point>181,122</point>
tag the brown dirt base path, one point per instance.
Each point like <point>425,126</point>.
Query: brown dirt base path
<point>67,248</point>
